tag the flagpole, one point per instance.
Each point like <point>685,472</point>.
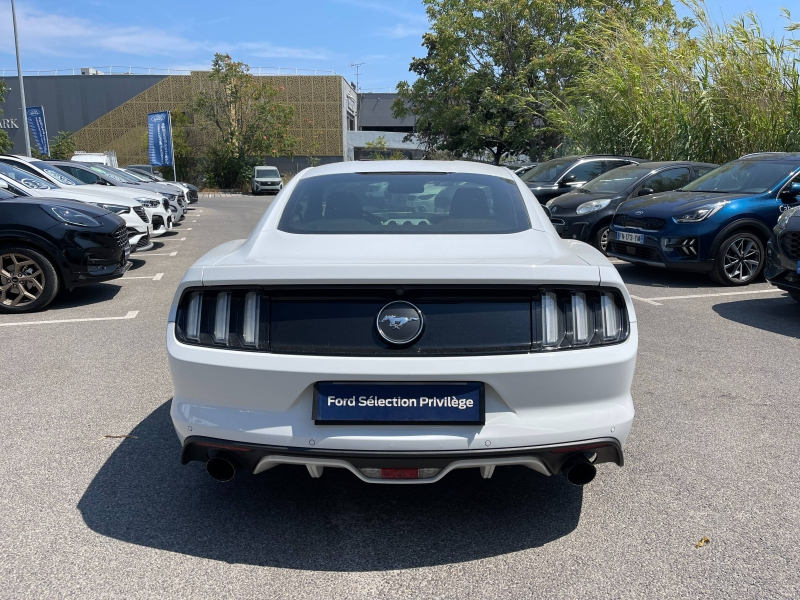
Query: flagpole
<point>21,84</point>
<point>172,149</point>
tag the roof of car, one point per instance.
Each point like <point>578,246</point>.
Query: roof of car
<point>19,157</point>
<point>771,156</point>
<point>668,163</point>
<point>406,166</point>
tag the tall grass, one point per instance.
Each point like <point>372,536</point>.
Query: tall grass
<point>684,90</point>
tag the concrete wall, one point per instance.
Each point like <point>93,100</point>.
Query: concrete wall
<point>70,101</point>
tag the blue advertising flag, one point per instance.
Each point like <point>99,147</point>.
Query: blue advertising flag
<point>159,134</point>
<point>39,128</point>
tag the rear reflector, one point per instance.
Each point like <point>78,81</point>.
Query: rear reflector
<point>425,473</point>
<point>578,448</point>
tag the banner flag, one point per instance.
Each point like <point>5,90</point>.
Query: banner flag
<point>159,139</point>
<point>38,128</point>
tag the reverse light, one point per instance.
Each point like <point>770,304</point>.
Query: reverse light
<point>252,312</point>
<point>552,334</point>
<point>193,310</point>
<point>580,319</point>
<point>611,318</point>
<point>222,317</point>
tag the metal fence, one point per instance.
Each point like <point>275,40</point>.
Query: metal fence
<point>121,70</point>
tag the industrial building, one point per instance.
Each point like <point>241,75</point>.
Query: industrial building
<point>109,112</point>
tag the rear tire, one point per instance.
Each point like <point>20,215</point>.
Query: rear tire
<point>28,280</point>
<point>739,260</point>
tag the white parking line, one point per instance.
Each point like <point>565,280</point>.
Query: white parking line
<point>188,229</point>
<point>646,300</point>
<point>172,240</point>
<point>162,254</point>
<point>157,277</point>
<point>131,315</point>
<point>658,301</point>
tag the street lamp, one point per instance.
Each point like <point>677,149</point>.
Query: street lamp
<point>21,85</point>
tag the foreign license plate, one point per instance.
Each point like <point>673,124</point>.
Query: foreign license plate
<point>633,238</point>
<point>385,403</point>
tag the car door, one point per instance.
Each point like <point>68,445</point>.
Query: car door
<point>664,181</point>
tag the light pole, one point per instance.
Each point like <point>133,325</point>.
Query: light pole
<point>21,85</point>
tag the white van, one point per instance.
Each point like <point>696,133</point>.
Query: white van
<point>107,158</point>
<point>266,179</point>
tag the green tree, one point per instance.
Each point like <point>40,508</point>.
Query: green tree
<point>62,146</point>
<point>5,141</point>
<point>245,121</point>
<point>691,90</point>
<point>493,67</point>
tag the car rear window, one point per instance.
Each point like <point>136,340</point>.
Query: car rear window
<point>405,203</point>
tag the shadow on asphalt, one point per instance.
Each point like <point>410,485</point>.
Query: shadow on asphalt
<point>85,296</point>
<point>662,278</point>
<point>284,518</point>
<point>778,314</point>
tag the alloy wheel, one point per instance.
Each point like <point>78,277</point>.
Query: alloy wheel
<point>21,280</point>
<point>742,260</point>
<point>604,241</point>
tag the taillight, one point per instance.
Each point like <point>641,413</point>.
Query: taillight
<point>565,319</point>
<point>229,318</point>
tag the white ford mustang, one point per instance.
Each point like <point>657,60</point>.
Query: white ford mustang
<point>403,319</point>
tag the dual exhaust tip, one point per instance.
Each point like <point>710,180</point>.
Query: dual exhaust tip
<point>577,468</point>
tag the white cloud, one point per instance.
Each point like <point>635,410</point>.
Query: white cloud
<point>267,50</point>
<point>402,31</point>
<point>59,35</point>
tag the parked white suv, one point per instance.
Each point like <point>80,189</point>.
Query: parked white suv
<point>156,207</point>
<point>23,183</point>
<point>266,179</point>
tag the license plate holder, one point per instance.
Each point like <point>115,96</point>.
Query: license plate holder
<point>632,238</point>
<point>398,403</point>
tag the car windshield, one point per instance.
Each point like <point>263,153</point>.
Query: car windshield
<point>267,172</point>
<point>617,180</point>
<point>113,174</point>
<point>405,203</point>
<point>548,171</point>
<point>25,178</point>
<point>135,175</point>
<point>743,176</point>
<point>56,173</point>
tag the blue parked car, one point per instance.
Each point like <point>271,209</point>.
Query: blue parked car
<point>718,224</point>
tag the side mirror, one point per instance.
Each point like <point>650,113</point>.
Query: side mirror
<point>567,180</point>
<point>546,211</point>
<point>3,185</point>
<point>791,193</point>
<point>645,192</point>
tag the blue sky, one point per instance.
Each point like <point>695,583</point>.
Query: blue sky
<point>184,34</point>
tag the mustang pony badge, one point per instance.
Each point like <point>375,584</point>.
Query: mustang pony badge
<point>399,323</point>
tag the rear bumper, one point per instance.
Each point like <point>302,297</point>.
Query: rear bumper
<point>256,458</point>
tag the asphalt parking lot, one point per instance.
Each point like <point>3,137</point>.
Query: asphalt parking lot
<point>712,454</point>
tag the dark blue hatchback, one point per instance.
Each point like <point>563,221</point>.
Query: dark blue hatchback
<point>718,224</point>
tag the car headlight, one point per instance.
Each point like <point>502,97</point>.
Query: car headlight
<point>148,202</point>
<point>171,197</point>
<point>783,220</point>
<point>591,206</point>
<point>73,217</point>
<point>115,208</point>
<point>699,214</point>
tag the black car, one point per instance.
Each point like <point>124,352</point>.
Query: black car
<point>561,175</point>
<point>783,252</point>
<point>585,214</point>
<point>49,244</point>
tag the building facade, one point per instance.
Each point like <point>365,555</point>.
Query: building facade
<point>109,112</point>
